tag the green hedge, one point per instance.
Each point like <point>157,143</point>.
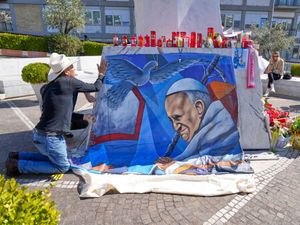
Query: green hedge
<point>295,70</point>
<point>57,43</point>
<point>23,42</point>
<point>18,205</point>
<point>93,48</point>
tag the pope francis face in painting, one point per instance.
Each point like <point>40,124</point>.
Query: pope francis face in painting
<point>185,115</point>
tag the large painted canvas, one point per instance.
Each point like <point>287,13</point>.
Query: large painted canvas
<point>166,114</point>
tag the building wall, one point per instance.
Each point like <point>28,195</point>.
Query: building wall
<point>28,18</point>
<point>110,17</point>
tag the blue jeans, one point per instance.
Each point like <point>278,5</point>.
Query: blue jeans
<point>51,158</point>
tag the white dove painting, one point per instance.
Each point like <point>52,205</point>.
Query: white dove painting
<point>124,75</point>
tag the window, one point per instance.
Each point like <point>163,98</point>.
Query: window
<point>296,52</point>
<point>92,17</point>
<point>298,27</point>
<point>231,19</point>
<point>286,22</point>
<point>255,18</point>
<point>113,20</point>
<point>262,22</point>
<point>117,20</point>
<point>5,20</point>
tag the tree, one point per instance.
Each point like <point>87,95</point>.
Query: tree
<point>5,19</point>
<point>64,15</point>
<point>271,39</point>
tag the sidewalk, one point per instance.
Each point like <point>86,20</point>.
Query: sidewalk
<point>276,201</point>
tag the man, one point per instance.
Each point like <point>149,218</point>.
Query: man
<point>275,71</point>
<point>208,127</point>
<point>58,96</point>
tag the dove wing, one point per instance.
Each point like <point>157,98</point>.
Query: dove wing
<point>116,94</point>
<point>121,69</point>
<point>169,70</point>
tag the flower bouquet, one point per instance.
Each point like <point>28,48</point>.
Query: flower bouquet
<point>280,123</point>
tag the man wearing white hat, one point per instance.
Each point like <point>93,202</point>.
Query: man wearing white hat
<point>207,126</point>
<point>58,102</point>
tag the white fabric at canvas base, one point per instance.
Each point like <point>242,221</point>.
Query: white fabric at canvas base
<point>97,185</point>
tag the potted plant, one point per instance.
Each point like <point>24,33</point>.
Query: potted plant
<point>295,134</point>
<point>37,75</point>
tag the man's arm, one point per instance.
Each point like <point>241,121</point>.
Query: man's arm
<point>81,86</point>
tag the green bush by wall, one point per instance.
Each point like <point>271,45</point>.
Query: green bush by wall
<point>65,44</point>
<point>93,48</point>
<point>23,42</point>
<point>295,70</point>
<point>18,205</point>
<point>35,73</point>
<point>62,44</point>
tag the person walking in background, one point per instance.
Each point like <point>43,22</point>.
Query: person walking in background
<point>55,121</point>
<point>275,71</point>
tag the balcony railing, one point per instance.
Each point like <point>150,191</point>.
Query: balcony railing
<point>287,3</point>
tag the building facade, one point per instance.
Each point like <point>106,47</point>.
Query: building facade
<point>240,14</point>
<point>105,18</point>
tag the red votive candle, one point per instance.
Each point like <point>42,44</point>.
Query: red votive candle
<point>199,40</point>
<point>164,41</point>
<point>141,41</point>
<point>169,43</point>
<point>153,38</point>
<point>133,41</point>
<point>224,43</point>
<point>147,41</point>
<point>216,43</point>
<point>159,42</point>
<point>193,40</point>
<point>174,38</point>
<point>124,40</point>
<point>116,40</point>
<point>210,32</point>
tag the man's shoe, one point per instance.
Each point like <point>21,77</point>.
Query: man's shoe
<point>267,92</point>
<point>13,155</point>
<point>12,168</point>
<point>272,88</point>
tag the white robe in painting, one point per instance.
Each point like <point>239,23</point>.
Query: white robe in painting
<point>216,141</point>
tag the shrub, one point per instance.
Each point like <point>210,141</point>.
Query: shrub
<point>295,70</point>
<point>35,73</point>
<point>23,42</point>
<point>65,44</point>
<point>93,48</point>
<point>295,127</point>
<point>18,205</point>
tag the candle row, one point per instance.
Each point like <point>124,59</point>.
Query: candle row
<point>182,40</point>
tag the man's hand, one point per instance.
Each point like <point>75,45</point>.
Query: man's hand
<point>90,98</point>
<point>164,162</point>
<point>102,67</point>
<point>89,117</point>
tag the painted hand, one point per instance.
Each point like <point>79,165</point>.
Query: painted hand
<point>164,162</point>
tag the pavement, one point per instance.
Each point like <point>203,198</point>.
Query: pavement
<point>276,200</point>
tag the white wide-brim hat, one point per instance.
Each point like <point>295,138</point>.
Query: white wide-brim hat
<point>58,63</point>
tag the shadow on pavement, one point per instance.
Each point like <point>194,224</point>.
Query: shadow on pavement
<point>14,142</point>
<point>292,108</point>
<point>21,103</point>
